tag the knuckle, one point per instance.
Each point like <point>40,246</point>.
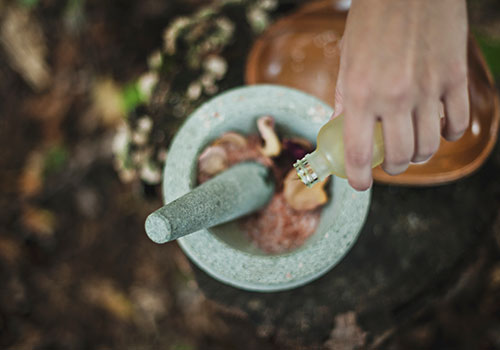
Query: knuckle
<point>428,78</point>
<point>357,85</point>
<point>457,74</point>
<point>400,92</point>
<point>357,92</point>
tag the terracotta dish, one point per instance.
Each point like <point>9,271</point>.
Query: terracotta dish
<point>301,51</point>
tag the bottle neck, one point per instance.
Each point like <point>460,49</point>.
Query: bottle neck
<point>314,167</point>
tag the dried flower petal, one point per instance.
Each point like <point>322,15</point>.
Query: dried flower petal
<point>232,138</point>
<point>297,148</point>
<point>272,144</point>
<point>299,196</point>
<point>213,160</point>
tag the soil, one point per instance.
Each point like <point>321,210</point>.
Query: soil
<point>76,268</point>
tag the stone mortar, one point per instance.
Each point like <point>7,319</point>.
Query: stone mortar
<point>224,252</point>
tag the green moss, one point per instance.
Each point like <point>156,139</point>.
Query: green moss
<point>179,345</point>
<point>491,50</point>
<point>132,97</point>
<point>55,160</point>
<point>28,3</point>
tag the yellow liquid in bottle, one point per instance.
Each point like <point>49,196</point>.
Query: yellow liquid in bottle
<point>328,158</point>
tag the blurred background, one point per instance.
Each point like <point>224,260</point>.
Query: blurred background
<point>91,94</point>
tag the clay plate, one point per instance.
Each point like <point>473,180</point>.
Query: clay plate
<point>301,51</point>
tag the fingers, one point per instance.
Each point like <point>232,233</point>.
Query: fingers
<point>339,90</point>
<point>398,142</point>
<point>358,148</point>
<point>339,102</point>
<point>456,103</point>
<point>427,129</point>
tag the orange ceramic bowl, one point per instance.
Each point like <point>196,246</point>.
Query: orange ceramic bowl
<point>301,51</point>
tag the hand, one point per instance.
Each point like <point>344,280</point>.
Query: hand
<point>400,59</point>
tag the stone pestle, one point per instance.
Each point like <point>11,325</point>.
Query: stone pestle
<point>235,192</point>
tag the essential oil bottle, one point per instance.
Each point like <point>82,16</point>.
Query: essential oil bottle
<point>328,157</point>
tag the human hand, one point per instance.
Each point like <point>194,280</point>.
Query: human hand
<point>400,59</point>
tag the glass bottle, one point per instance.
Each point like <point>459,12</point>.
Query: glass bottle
<point>328,158</point>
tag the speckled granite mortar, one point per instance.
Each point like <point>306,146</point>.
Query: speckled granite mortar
<point>224,251</point>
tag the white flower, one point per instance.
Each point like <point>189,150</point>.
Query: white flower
<point>147,83</point>
<point>150,174</point>
<point>194,91</point>
<point>216,65</point>
<point>121,140</point>
<point>144,125</point>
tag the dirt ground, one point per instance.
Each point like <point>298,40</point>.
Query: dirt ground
<point>76,268</point>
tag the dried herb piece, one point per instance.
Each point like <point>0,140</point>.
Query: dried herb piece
<point>272,144</point>
<point>301,197</point>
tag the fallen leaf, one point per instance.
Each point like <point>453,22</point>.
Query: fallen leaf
<point>108,102</point>
<point>22,39</point>
<point>40,221</point>
<point>346,335</point>
<point>9,250</point>
<point>104,294</point>
<point>31,179</point>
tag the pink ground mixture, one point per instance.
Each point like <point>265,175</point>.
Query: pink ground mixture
<point>276,228</point>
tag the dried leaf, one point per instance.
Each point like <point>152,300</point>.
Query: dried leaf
<point>495,277</point>
<point>346,335</point>
<point>10,251</point>
<point>108,102</point>
<point>23,41</point>
<point>31,180</point>
<point>272,144</point>
<point>40,221</point>
<point>106,295</point>
<point>299,196</point>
